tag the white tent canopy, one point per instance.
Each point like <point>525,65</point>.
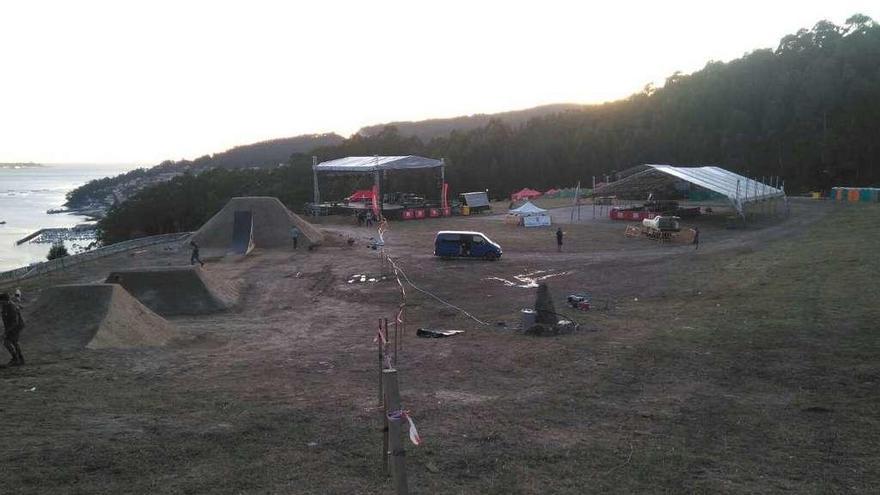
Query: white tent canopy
<point>527,210</point>
<point>377,163</point>
<point>648,179</point>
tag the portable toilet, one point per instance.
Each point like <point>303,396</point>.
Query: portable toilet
<point>852,194</point>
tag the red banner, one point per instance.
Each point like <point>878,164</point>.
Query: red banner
<point>376,201</point>
<point>444,202</point>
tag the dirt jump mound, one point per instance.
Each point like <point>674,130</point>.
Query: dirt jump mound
<point>93,316</point>
<point>255,221</point>
<point>181,290</point>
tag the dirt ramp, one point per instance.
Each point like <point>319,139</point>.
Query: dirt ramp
<point>175,290</point>
<point>270,223</point>
<point>93,316</point>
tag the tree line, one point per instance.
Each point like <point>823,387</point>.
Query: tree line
<point>807,111</point>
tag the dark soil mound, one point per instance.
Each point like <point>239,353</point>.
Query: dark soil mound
<point>94,316</point>
<point>272,222</point>
<point>180,290</point>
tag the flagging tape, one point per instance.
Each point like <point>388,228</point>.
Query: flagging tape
<point>401,414</point>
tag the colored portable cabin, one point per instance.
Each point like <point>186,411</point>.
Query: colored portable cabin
<point>855,194</point>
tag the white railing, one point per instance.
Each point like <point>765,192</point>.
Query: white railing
<point>75,259</point>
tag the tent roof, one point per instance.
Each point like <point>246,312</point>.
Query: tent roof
<point>527,209</point>
<point>361,194</point>
<point>375,163</point>
<point>526,190</point>
<point>653,178</point>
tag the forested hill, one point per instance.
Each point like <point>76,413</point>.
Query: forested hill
<point>262,154</point>
<point>807,111</point>
<point>434,128</point>
<point>104,192</point>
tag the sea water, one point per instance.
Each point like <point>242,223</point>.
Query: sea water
<point>25,196</point>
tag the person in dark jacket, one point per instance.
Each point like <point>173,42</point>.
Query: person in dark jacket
<point>559,235</point>
<point>294,235</point>
<point>195,254</point>
<point>12,326</point>
<point>696,238</point>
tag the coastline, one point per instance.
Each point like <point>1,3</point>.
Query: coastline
<point>28,194</point>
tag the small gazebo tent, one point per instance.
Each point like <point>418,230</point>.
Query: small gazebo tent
<point>529,215</point>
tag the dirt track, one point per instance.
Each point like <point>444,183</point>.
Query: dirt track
<point>269,396</point>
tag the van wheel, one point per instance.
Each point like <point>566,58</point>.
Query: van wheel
<point>490,257</point>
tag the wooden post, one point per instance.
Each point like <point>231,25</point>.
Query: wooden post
<point>397,452</point>
<point>383,408</point>
<point>403,324</point>
<point>396,339</point>
<point>381,363</point>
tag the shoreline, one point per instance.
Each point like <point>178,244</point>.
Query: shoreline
<point>35,203</point>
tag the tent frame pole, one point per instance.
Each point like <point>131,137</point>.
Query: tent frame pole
<point>442,180</point>
<point>317,192</point>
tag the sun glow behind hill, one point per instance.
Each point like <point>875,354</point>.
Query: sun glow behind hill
<point>148,82</point>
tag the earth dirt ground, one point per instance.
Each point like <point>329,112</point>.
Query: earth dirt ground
<point>698,370</point>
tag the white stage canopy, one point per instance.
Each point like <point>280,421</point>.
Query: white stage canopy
<point>377,163</point>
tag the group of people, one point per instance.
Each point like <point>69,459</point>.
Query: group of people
<point>13,324</point>
<point>365,218</point>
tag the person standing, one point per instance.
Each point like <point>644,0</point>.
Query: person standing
<point>294,235</point>
<point>13,324</point>
<point>559,235</point>
<point>696,238</point>
<point>195,254</point>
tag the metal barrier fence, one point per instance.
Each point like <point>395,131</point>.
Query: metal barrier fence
<point>75,259</point>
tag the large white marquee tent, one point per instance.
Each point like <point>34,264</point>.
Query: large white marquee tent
<point>652,179</point>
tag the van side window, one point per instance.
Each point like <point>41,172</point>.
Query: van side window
<point>448,237</point>
<point>478,239</point>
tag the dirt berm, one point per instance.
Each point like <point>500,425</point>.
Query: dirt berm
<point>177,290</point>
<point>93,316</point>
<point>272,222</point>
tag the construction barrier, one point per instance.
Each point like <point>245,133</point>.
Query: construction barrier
<point>631,215</point>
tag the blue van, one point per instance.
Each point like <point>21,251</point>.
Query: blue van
<point>461,244</point>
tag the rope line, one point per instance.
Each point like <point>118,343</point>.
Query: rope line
<point>434,296</point>
<point>381,229</point>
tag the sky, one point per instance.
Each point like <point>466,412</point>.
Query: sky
<point>141,82</point>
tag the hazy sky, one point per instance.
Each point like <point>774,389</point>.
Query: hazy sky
<point>124,81</point>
